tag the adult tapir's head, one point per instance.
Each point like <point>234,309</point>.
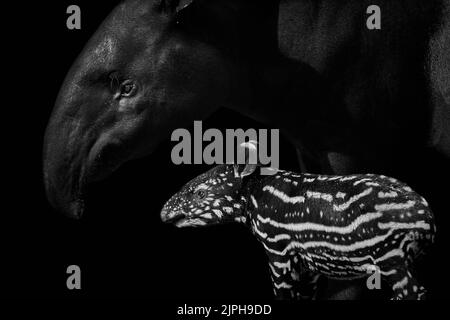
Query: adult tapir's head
<point>152,66</point>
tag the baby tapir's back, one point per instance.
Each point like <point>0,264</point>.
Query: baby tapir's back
<point>342,223</point>
<point>344,198</point>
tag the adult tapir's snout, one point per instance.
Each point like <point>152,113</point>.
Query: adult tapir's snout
<point>82,142</point>
<point>81,145</point>
<point>140,76</point>
<point>63,163</point>
<point>101,115</point>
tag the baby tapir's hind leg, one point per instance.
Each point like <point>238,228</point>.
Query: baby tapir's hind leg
<point>403,284</point>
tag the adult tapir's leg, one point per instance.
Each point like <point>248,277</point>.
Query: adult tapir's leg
<point>439,76</point>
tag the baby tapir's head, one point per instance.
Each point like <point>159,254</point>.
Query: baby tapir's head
<point>213,197</point>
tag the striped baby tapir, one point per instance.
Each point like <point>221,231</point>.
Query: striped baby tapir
<point>341,227</point>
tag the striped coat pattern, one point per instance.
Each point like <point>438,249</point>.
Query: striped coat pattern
<point>341,227</point>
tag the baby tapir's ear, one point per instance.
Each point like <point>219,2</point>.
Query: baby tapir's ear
<point>250,152</point>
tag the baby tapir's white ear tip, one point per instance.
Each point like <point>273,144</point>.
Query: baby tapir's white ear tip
<point>246,171</point>
<point>250,144</point>
<point>236,170</point>
<point>251,150</point>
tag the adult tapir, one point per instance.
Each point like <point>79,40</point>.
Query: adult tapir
<point>349,98</point>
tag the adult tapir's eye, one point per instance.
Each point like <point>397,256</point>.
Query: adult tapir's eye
<point>200,194</point>
<point>127,88</point>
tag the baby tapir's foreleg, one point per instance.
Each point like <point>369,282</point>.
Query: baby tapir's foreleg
<point>283,285</point>
<point>290,281</point>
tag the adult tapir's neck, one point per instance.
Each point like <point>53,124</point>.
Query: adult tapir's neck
<point>264,83</point>
<point>288,88</point>
<point>275,91</point>
<point>247,35</point>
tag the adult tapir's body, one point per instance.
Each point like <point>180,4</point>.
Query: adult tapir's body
<point>347,97</point>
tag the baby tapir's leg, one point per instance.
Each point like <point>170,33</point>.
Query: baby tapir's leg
<point>311,283</point>
<point>396,268</point>
<point>404,285</point>
<point>289,282</point>
<point>282,281</point>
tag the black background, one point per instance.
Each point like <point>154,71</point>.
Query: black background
<point>120,244</point>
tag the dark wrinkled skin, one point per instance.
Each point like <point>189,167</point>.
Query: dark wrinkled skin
<point>353,88</point>
<point>93,129</point>
<point>184,63</point>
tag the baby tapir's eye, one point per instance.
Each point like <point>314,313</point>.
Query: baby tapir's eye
<point>200,194</point>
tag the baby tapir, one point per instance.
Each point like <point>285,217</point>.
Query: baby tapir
<point>341,227</point>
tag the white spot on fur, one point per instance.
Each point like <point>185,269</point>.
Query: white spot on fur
<point>340,195</point>
<point>218,213</point>
<point>319,195</point>
<point>254,201</point>
<point>391,194</point>
<point>227,209</point>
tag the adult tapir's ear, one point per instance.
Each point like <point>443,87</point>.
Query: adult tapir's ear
<point>196,14</point>
<point>249,23</point>
<point>172,6</point>
<point>250,150</point>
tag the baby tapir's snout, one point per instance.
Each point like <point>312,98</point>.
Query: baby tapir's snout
<point>212,198</point>
<point>173,212</point>
<point>168,216</point>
